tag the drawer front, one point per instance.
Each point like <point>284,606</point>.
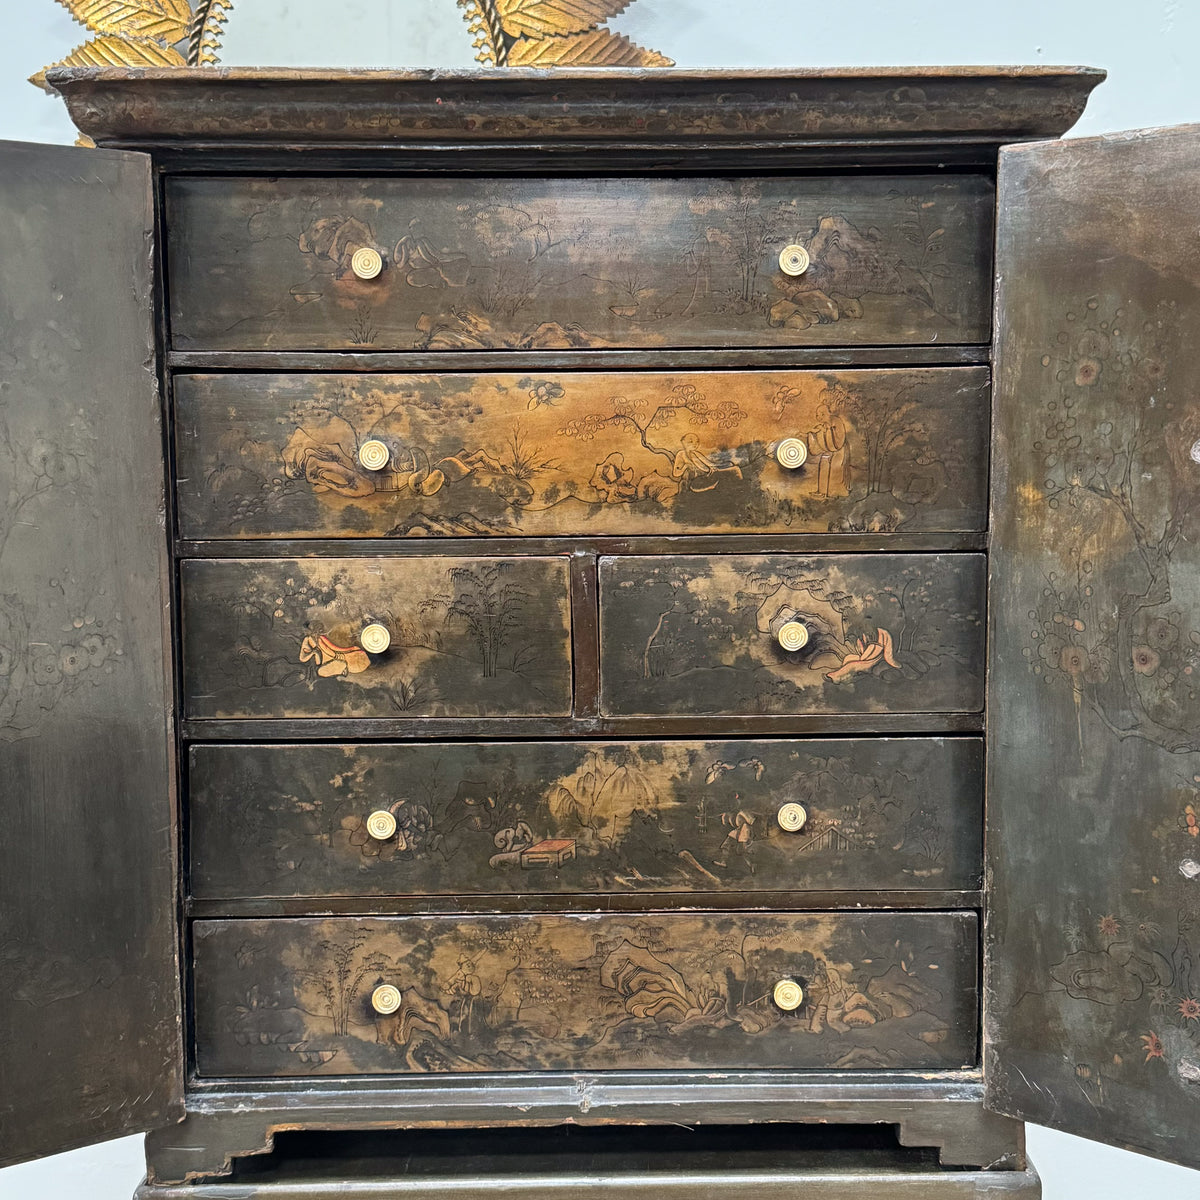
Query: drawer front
<point>893,633</point>
<point>591,817</point>
<point>293,997</point>
<point>468,637</point>
<point>581,453</point>
<point>542,264</point>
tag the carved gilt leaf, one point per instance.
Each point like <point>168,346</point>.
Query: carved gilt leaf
<point>205,33</point>
<point>164,20</point>
<point>597,47</point>
<point>539,18</point>
<point>112,51</point>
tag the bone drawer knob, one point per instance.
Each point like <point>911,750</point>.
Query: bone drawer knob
<point>793,635</point>
<point>373,455</point>
<point>366,262</point>
<point>385,999</point>
<point>791,816</point>
<point>375,638</point>
<point>791,453</point>
<point>788,995</point>
<point>793,259</point>
<point>381,825</point>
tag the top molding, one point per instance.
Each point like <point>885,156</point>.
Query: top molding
<point>278,107</point>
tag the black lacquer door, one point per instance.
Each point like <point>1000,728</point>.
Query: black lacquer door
<point>1093,975</point>
<point>89,1004</point>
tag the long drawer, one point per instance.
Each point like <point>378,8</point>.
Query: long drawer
<point>577,453</point>
<point>585,817</point>
<point>567,263</point>
<point>294,997</point>
<point>741,634</point>
<point>289,637</point>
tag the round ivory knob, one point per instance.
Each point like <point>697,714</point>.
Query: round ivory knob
<point>791,453</point>
<point>381,825</point>
<point>373,455</point>
<point>793,635</point>
<point>793,259</point>
<point>375,638</point>
<point>367,262</point>
<point>791,816</point>
<point>385,999</point>
<point>788,995</point>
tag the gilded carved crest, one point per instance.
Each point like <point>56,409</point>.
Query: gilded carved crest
<point>505,33</point>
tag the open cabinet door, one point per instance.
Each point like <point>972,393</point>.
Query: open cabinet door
<point>89,1004</point>
<point>1092,1020</point>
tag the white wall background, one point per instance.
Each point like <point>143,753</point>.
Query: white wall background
<point>1149,48</point>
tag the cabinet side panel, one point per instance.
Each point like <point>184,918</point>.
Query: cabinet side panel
<point>89,1010</point>
<point>1093,993</point>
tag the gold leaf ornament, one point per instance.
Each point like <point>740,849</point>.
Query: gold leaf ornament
<point>551,33</point>
<point>163,20</point>
<point>596,48</point>
<point>113,51</point>
<point>540,18</point>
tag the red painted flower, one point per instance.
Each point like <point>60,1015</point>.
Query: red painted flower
<point>1110,926</point>
<point>1145,660</point>
<point>1073,660</point>
<point>1153,1046</point>
<point>1189,1009</point>
<point>1087,371</point>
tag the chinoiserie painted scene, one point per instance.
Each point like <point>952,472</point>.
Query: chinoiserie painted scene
<point>562,263</point>
<point>462,637</point>
<point>1097,693</point>
<point>585,817</point>
<point>558,992</point>
<point>700,634</point>
<point>552,453</point>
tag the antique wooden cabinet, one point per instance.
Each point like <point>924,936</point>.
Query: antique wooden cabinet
<point>515,588</point>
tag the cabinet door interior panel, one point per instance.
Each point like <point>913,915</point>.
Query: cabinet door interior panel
<point>576,453</point>
<point>466,637</point>
<point>290,997</point>
<point>571,263</point>
<point>585,817</point>
<point>697,634</point>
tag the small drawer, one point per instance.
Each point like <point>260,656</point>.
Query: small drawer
<point>406,995</point>
<point>454,263</point>
<point>376,637</point>
<point>833,633</point>
<point>585,817</point>
<point>578,453</point>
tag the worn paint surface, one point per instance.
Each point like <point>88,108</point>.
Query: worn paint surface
<point>585,817</point>
<point>698,634</point>
<point>89,998</point>
<point>292,997</point>
<point>479,264</point>
<point>468,637</point>
<point>575,453</point>
<point>1095,672</point>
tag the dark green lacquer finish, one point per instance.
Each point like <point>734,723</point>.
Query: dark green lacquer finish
<point>1095,674</point>
<point>577,263</point>
<point>552,453</point>
<point>572,817</point>
<point>510,993</point>
<point>469,637</point>
<point>699,634</point>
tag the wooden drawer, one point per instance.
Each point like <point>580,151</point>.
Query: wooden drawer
<point>288,997</point>
<point>700,634</point>
<point>585,817</point>
<point>581,453</point>
<point>469,637</point>
<point>541,264</point>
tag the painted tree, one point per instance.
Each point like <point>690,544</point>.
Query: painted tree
<point>490,607</point>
